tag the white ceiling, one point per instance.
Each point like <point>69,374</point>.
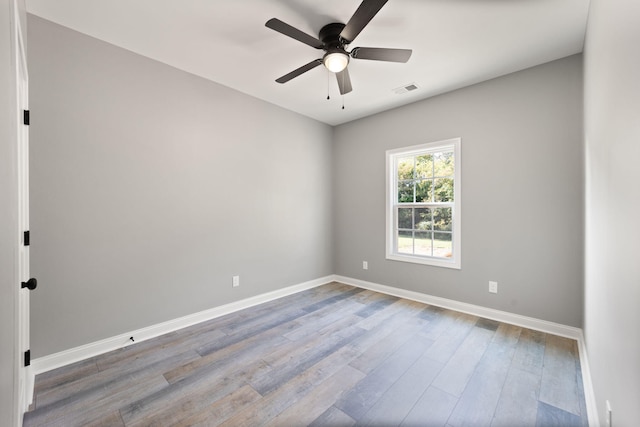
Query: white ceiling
<point>455,43</point>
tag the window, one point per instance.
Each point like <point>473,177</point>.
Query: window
<point>423,204</point>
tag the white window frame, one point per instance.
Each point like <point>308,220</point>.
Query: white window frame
<point>392,205</point>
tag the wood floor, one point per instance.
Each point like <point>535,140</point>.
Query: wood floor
<point>331,356</point>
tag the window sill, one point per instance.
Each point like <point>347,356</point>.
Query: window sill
<point>435,262</point>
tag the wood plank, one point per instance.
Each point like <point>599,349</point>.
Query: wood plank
<point>450,333</point>
<point>581,398</point>
<point>375,307</point>
<point>396,403</point>
<point>386,346</point>
<point>518,402</point>
<point>97,383</point>
<point>317,320</point>
<point>333,417</point>
<point>61,377</point>
<point>339,324</point>
<point>400,309</point>
<point>488,324</point>
<point>333,299</point>
<point>113,419</point>
<point>281,374</point>
<point>458,370</point>
<point>432,409</point>
<point>288,394</point>
<point>82,409</point>
<point>217,412</point>
<point>237,352</point>
<point>383,331</point>
<point>529,354</point>
<point>361,398</point>
<point>147,352</point>
<point>550,416</point>
<point>559,383</point>
<point>252,329</point>
<point>439,320</point>
<point>314,404</point>
<point>181,399</point>
<point>478,402</point>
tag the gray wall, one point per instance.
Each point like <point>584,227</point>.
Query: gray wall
<point>612,148</point>
<point>151,187</point>
<point>522,189</point>
<point>8,220</point>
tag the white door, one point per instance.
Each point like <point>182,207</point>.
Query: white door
<point>25,379</point>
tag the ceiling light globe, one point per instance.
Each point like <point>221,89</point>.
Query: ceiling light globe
<point>336,61</point>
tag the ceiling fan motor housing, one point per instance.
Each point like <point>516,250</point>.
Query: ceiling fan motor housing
<point>330,36</point>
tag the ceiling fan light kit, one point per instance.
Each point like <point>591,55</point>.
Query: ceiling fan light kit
<point>335,61</point>
<point>334,38</point>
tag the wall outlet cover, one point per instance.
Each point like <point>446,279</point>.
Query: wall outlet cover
<point>493,287</point>
<point>235,281</point>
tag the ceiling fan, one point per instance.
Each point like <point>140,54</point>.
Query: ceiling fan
<point>334,39</point>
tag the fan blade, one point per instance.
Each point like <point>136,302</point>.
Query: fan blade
<point>295,73</point>
<point>344,81</point>
<point>381,54</point>
<point>294,33</point>
<point>365,13</point>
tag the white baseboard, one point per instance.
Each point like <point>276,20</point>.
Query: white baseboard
<point>76,354</point>
<point>63,358</point>
<point>589,395</point>
<point>476,310</point>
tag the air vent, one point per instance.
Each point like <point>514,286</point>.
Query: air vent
<point>406,88</point>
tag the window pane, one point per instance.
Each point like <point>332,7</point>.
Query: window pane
<point>423,243</point>
<point>442,219</point>
<point>423,219</point>
<point>423,190</point>
<point>443,163</point>
<point>405,168</point>
<point>442,245</point>
<point>405,242</point>
<point>443,190</point>
<point>405,192</point>
<point>404,218</point>
<point>424,166</point>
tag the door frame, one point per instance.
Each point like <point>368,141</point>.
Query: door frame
<point>23,376</point>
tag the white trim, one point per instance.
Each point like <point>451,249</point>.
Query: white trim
<point>25,376</point>
<point>66,357</point>
<point>476,310</point>
<point>589,394</point>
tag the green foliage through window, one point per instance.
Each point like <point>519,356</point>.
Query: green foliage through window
<point>426,178</point>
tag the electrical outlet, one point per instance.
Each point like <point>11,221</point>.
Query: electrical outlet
<point>235,281</point>
<point>365,265</point>
<point>609,415</point>
<point>493,287</point>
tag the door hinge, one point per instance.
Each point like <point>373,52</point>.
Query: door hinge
<point>27,238</point>
<point>25,117</point>
<point>27,358</point>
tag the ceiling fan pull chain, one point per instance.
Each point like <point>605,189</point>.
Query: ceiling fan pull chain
<point>342,94</point>
<point>328,76</point>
